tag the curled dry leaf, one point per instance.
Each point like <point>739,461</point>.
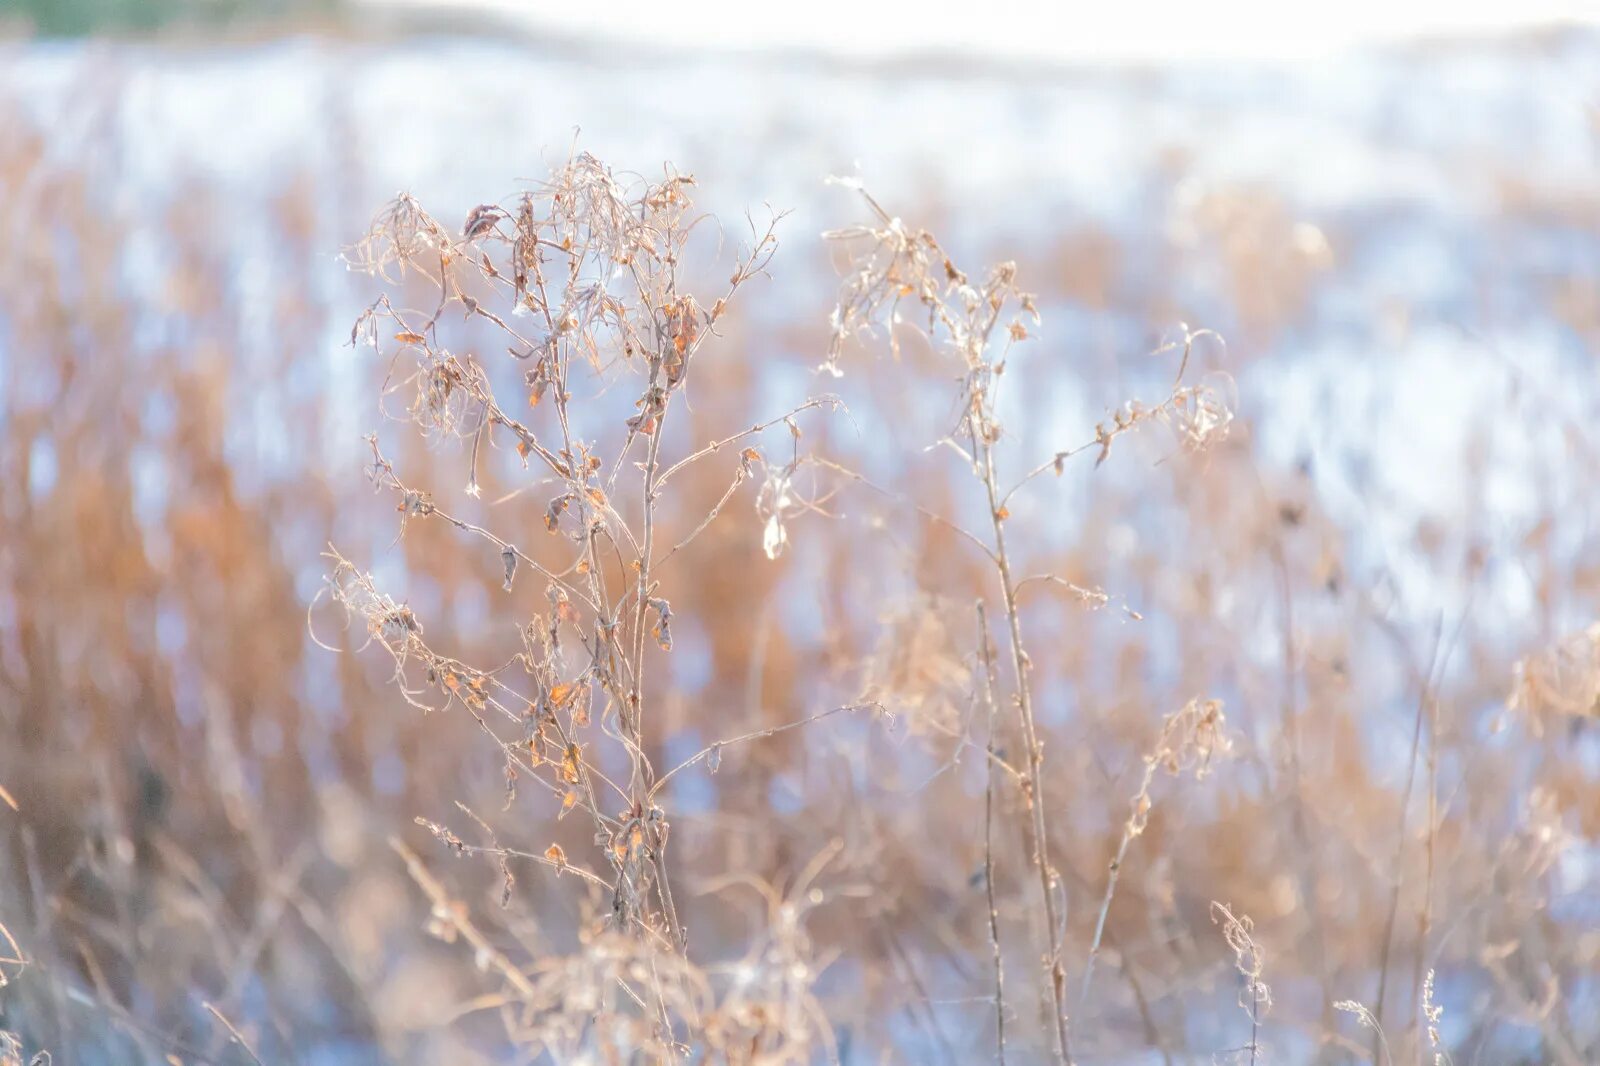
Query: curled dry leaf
<point>508,559</point>
<point>662,630</point>
<point>558,506</point>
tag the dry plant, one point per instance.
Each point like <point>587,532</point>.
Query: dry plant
<point>200,868</point>
<point>1255,999</point>
<point>1368,1021</point>
<point>979,324</point>
<point>12,963</point>
<point>1431,1015</point>
<point>1190,738</point>
<point>580,279</point>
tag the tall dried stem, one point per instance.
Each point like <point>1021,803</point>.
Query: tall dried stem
<point>988,836</point>
<point>904,263</point>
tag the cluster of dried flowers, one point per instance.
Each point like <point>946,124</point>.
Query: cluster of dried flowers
<point>579,280</point>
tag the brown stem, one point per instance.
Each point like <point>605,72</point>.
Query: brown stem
<point>1055,975</point>
<point>988,842</point>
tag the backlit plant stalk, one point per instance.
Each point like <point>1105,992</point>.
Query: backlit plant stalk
<point>893,264</point>
<point>902,263</point>
<point>590,264</point>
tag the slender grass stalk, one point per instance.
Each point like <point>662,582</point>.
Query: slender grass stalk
<point>988,837</point>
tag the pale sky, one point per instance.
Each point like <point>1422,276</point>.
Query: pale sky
<point>1040,30</point>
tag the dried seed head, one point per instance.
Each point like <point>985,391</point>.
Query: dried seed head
<point>1191,737</point>
<point>1562,681</point>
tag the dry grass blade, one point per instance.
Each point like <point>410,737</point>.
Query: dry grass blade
<point>234,1035</point>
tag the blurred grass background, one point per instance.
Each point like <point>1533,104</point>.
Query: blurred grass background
<point>1402,247</point>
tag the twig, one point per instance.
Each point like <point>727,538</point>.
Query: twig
<point>988,840</point>
<point>711,516</point>
<point>758,734</point>
<point>931,516</point>
<point>1114,872</point>
<point>445,907</point>
<point>234,1035</point>
<point>1250,962</point>
<point>1056,974</point>
<point>831,402</point>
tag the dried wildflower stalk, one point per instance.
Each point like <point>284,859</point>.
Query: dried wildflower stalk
<point>1190,738</point>
<point>580,274</point>
<point>900,263</point>
<point>1368,1021</point>
<point>1199,416</point>
<point>767,1011</point>
<point>988,836</point>
<point>12,963</point>
<point>893,264</point>
<point>1432,1014</point>
<point>615,999</point>
<point>1256,997</point>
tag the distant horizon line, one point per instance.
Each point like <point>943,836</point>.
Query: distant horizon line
<point>852,33</point>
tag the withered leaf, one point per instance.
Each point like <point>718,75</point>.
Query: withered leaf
<point>662,630</point>
<point>481,220</point>
<point>552,516</point>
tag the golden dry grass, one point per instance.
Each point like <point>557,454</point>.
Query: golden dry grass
<point>793,752</point>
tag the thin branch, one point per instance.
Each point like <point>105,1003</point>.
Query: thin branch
<point>830,402</point>
<point>758,734</point>
<point>1113,873</point>
<point>711,516</point>
<point>988,840</point>
<point>234,1035</point>
<point>828,464</point>
<point>445,907</point>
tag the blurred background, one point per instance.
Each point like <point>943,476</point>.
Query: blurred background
<point>1393,219</point>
